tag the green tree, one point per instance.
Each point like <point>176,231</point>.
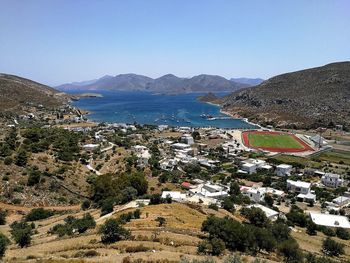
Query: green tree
<point>268,200</point>
<point>111,231</point>
<point>290,250</point>
<point>234,188</point>
<point>255,216</point>
<point>21,233</point>
<point>161,221</point>
<point>3,215</point>
<point>38,214</point>
<point>342,233</point>
<point>332,248</point>
<point>311,228</point>
<point>22,157</point>
<point>4,242</point>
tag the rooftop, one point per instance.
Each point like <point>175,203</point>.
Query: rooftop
<point>330,220</point>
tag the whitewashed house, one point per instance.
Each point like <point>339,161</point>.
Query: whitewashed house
<point>256,195</point>
<point>332,180</point>
<point>174,195</point>
<point>303,189</point>
<point>187,138</point>
<point>284,169</point>
<point>330,220</point>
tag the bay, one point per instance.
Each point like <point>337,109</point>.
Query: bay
<point>148,108</point>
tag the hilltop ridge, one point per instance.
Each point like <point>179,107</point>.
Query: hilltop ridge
<point>307,98</point>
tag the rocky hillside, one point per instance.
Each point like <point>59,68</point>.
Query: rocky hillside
<point>17,92</point>
<point>169,84</point>
<point>312,98</point>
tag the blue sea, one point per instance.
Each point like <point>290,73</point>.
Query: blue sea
<point>148,108</point>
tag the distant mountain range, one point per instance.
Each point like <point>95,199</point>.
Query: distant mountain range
<point>169,84</point>
<point>248,81</point>
<point>308,98</point>
<point>17,92</point>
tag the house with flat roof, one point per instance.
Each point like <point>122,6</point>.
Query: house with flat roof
<point>256,195</point>
<point>283,169</point>
<point>332,180</point>
<point>175,195</point>
<point>303,189</point>
<point>330,220</point>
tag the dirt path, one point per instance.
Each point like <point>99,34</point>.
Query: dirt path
<point>27,209</point>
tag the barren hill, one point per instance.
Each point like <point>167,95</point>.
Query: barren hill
<point>16,92</point>
<point>307,98</point>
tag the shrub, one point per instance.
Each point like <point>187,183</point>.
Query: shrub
<point>38,214</point>
<point>21,233</point>
<point>290,250</point>
<point>161,221</point>
<point>81,225</point>
<point>214,207</point>
<point>3,215</point>
<point>255,216</point>
<point>342,233</point>
<point>86,254</point>
<point>107,206</point>
<point>311,228</point>
<point>8,160</point>
<point>4,242</point>
<point>139,248</point>
<point>111,231</point>
<point>85,205</point>
<point>332,248</point>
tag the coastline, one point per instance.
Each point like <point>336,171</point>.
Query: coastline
<point>234,116</point>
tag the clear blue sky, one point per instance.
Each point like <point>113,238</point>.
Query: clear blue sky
<point>58,41</point>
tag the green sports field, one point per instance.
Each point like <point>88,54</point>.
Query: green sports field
<point>259,140</point>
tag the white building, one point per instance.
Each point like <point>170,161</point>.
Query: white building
<point>303,189</point>
<point>143,158</point>
<point>330,220</point>
<point>187,138</point>
<point>256,195</point>
<point>175,195</point>
<point>284,169</point>
<point>341,201</point>
<point>299,187</point>
<point>249,167</point>
<point>210,190</point>
<point>180,146</point>
<point>332,180</point>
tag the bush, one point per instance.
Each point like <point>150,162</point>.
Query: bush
<point>311,228</point>
<point>107,207</point>
<point>4,242</point>
<point>218,246</point>
<point>214,207</point>
<point>38,214</point>
<point>85,205</point>
<point>290,250</point>
<point>8,160</point>
<point>72,225</point>
<point>21,233</point>
<point>124,218</point>
<point>332,248</point>
<point>86,254</point>
<point>3,215</point>
<point>139,248</point>
<point>342,233</point>
<point>328,231</point>
<point>255,216</point>
<point>161,221</point>
<point>111,231</point>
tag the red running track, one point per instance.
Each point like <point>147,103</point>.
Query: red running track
<point>305,148</point>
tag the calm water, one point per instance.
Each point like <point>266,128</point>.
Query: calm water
<point>146,108</point>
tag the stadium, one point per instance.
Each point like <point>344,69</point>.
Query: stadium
<point>274,141</point>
